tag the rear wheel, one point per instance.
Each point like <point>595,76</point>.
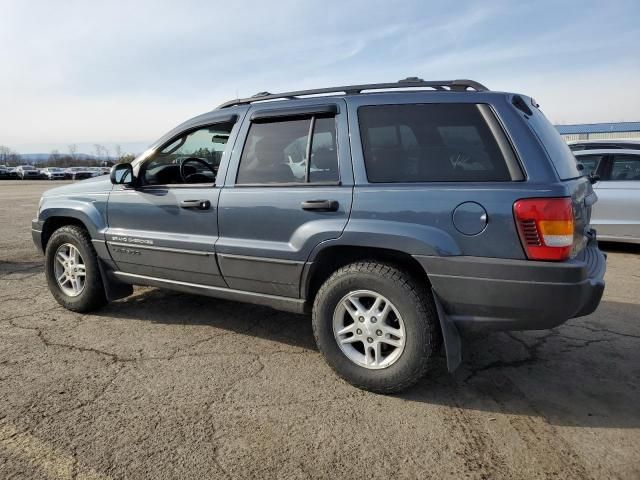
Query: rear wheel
<point>376,326</point>
<point>71,268</point>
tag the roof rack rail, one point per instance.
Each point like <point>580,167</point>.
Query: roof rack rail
<point>409,82</point>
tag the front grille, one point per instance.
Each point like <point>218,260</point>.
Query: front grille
<point>530,233</point>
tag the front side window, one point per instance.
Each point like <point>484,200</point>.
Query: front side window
<point>625,167</point>
<point>276,152</point>
<point>589,163</point>
<point>430,143</point>
<point>192,158</point>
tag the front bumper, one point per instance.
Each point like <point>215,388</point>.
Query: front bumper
<point>480,293</point>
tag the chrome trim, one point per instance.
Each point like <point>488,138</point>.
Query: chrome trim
<point>160,249</point>
<point>259,259</point>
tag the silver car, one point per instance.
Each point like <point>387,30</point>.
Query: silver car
<point>616,215</point>
<point>53,173</point>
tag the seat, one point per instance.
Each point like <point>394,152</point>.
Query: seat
<point>270,166</point>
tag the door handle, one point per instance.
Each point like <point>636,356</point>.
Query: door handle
<point>199,204</point>
<point>320,205</point>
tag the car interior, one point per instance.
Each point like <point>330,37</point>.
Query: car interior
<point>192,158</point>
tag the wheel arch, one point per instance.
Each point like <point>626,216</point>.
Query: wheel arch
<point>329,259</point>
<point>52,224</point>
<point>82,214</point>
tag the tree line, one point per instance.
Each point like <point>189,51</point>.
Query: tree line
<point>71,158</point>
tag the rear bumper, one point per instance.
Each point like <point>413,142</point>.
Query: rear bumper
<point>480,293</point>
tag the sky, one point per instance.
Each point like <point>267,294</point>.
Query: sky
<point>125,72</point>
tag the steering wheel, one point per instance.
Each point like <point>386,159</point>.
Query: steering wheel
<point>195,177</point>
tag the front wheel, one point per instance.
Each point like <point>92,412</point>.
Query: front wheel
<point>71,268</point>
<point>376,326</point>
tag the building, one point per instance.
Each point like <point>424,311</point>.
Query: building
<point>600,131</point>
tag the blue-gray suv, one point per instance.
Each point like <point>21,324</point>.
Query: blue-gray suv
<point>399,215</point>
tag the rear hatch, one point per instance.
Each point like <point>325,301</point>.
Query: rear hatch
<point>579,186</point>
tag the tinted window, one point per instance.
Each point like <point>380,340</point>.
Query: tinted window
<point>589,163</point>
<point>201,149</point>
<point>625,167</point>
<point>276,152</point>
<point>429,143</point>
<point>324,156</point>
<point>557,149</point>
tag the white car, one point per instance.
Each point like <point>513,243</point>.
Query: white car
<point>4,171</point>
<point>26,172</point>
<point>53,173</point>
<point>616,214</point>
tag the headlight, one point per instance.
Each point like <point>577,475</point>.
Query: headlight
<point>40,206</point>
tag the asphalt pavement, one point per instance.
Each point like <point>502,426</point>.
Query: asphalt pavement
<point>170,385</point>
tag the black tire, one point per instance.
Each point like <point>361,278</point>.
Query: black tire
<point>92,296</point>
<point>413,301</point>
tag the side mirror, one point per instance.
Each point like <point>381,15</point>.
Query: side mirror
<point>122,174</point>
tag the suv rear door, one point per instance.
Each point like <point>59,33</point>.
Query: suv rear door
<point>275,207</point>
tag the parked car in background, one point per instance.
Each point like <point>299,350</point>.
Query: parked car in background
<point>4,172</point>
<point>78,173</point>
<point>95,171</point>
<point>616,215</point>
<point>12,172</point>
<point>53,173</point>
<point>28,172</point>
<point>580,145</point>
<point>417,215</point>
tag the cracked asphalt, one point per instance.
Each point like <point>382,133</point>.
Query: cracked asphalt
<point>169,385</point>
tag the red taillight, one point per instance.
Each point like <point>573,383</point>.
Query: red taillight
<point>545,226</point>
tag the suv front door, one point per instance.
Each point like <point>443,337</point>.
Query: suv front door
<point>276,206</point>
<point>166,227</point>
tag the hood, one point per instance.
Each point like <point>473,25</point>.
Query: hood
<point>90,185</point>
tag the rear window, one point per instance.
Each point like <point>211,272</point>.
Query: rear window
<point>561,156</point>
<point>430,143</point>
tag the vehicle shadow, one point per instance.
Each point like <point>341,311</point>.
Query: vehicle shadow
<point>584,373</point>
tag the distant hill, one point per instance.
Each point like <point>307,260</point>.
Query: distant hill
<point>43,157</point>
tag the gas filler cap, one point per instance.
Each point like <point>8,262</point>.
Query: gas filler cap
<point>470,218</point>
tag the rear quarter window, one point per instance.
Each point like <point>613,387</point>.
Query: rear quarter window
<point>446,142</point>
<point>557,149</point>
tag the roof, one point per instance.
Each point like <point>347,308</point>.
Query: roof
<point>617,127</point>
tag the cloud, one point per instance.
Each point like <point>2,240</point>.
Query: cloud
<point>119,71</point>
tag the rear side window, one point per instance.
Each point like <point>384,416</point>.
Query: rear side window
<point>276,152</point>
<point>431,143</point>
<point>625,167</point>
